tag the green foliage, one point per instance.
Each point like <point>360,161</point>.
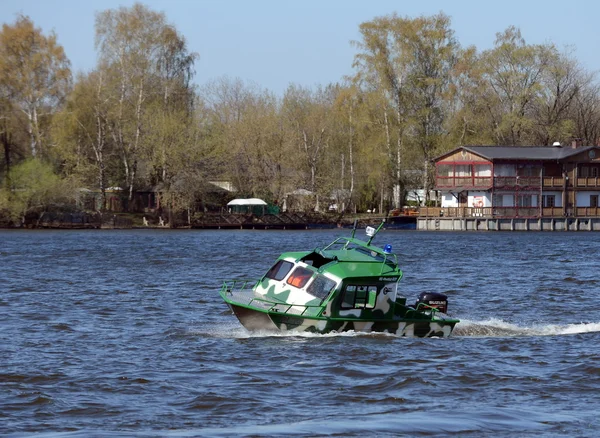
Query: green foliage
<point>33,185</point>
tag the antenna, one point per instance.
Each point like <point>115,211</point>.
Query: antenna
<point>354,227</point>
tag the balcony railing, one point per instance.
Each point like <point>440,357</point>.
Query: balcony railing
<point>464,181</point>
<point>508,212</point>
<point>552,181</point>
<point>485,182</point>
<point>586,211</point>
<point>588,182</point>
<point>513,181</point>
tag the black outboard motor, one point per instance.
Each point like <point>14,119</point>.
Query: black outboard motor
<point>433,299</point>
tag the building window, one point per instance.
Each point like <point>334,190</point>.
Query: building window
<point>463,170</point>
<point>444,170</point>
<point>505,170</point>
<point>588,172</point>
<point>483,170</point>
<point>526,200</point>
<point>497,200</point>
<point>594,201</point>
<point>549,201</point>
<point>527,170</point>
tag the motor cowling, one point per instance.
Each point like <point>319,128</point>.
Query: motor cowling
<point>436,300</point>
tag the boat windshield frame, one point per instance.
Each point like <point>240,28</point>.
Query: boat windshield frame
<point>350,243</point>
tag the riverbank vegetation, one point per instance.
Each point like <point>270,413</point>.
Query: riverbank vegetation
<point>138,122</point>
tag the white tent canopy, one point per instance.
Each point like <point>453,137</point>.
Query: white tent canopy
<point>250,201</point>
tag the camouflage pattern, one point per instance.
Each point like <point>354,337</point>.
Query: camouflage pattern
<point>354,287</point>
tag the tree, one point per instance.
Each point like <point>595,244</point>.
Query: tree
<point>250,138</point>
<point>586,112</point>
<point>35,77</point>
<point>83,144</point>
<point>308,116</point>
<point>146,64</point>
<point>514,72</point>
<point>409,61</point>
<point>561,82</point>
<point>381,68</point>
<point>34,185</point>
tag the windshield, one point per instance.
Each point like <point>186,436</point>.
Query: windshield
<point>279,270</point>
<point>299,277</point>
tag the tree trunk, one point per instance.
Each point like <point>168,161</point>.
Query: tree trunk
<point>6,145</point>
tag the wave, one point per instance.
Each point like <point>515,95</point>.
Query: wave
<point>499,328</point>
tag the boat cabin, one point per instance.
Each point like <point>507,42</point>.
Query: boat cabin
<point>345,279</point>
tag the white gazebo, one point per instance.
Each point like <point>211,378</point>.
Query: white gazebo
<point>250,205</point>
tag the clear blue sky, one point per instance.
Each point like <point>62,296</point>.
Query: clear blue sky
<point>277,42</point>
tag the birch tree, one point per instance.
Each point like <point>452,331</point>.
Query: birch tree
<point>409,61</point>
<point>308,115</point>
<point>513,71</point>
<point>147,64</point>
<point>81,132</point>
<point>35,78</point>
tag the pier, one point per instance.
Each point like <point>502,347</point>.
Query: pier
<point>508,224</point>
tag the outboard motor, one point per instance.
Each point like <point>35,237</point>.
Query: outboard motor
<point>436,300</point>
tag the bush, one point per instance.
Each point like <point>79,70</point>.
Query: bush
<point>34,186</point>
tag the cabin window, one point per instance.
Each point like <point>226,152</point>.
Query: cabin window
<point>359,297</point>
<point>321,287</point>
<point>279,270</point>
<point>299,277</point>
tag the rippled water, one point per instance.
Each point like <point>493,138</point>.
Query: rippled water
<point>122,333</point>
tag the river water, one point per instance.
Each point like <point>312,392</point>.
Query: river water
<point>122,333</point>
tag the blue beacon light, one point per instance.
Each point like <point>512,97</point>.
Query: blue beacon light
<point>387,249</point>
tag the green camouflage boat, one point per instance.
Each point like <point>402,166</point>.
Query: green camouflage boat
<point>348,285</point>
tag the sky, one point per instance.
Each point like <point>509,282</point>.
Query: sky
<point>274,43</point>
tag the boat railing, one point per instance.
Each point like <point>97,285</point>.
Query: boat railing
<point>242,292</point>
<point>231,286</point>
<point>422,307</point>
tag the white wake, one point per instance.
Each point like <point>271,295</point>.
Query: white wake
<point>498,328</point>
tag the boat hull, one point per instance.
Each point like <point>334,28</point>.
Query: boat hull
<point>260,320</point>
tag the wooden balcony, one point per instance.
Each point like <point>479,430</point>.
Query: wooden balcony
<point>593,182</point>
<point>487,182</point>
<point>470,182</point>
<point>586,211</point>
<point>517,181</point>
<point>464,182</point>
<point>553,182</point>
